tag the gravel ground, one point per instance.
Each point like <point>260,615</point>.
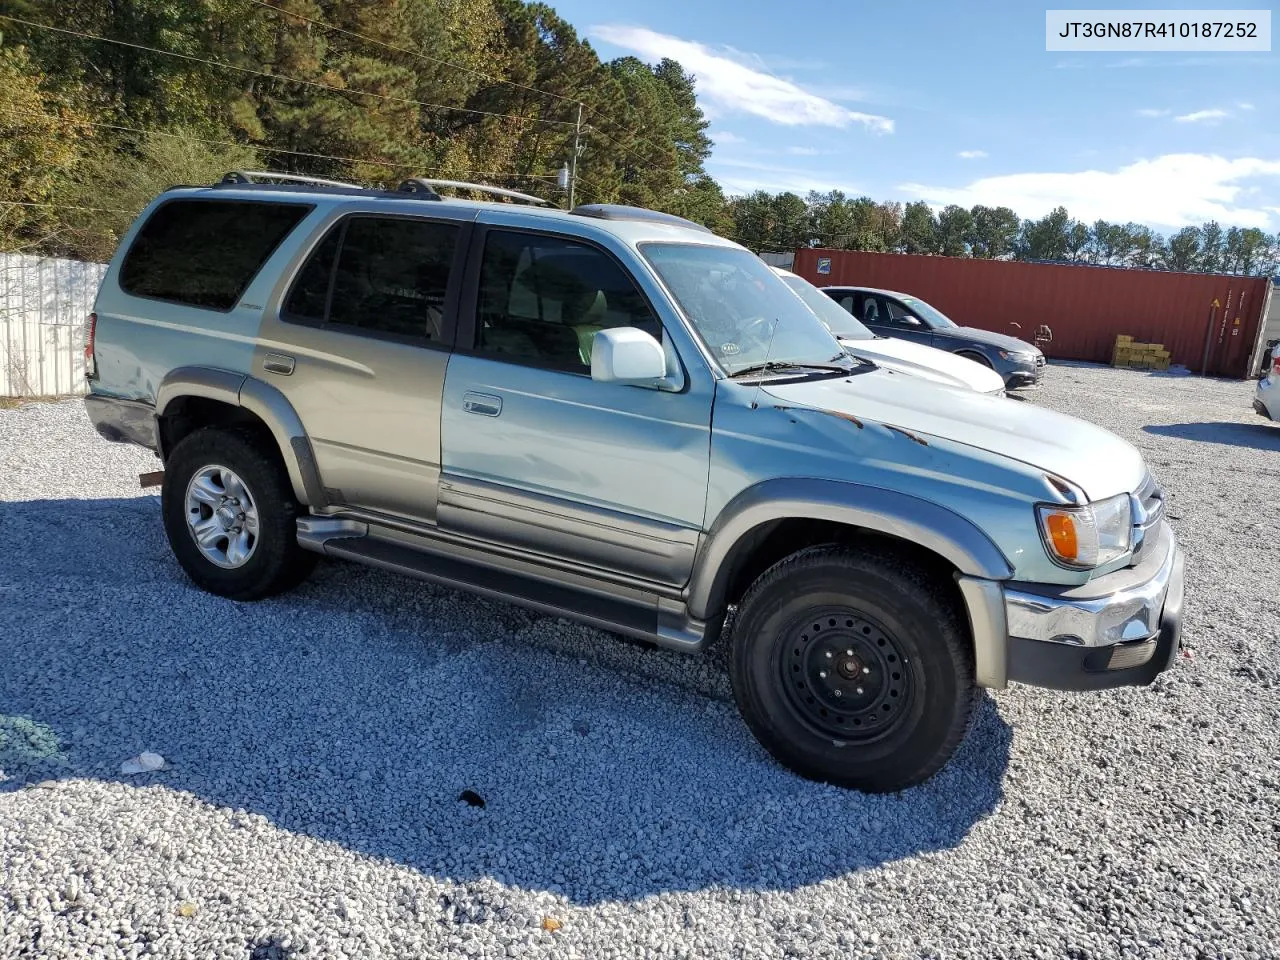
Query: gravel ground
<point>317,745</point>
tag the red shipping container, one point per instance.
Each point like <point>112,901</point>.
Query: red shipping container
<point>1086,307</point>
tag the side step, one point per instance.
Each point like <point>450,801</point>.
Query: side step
<point>632,612</point>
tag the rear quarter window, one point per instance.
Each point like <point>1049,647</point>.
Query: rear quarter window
<point>205,253</point>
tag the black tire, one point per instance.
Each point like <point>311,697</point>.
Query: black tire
<point>911,668</point>
<point>976,358</point>
<point>277,563</point>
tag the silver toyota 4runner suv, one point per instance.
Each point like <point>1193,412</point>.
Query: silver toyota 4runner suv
<point>614,415</point>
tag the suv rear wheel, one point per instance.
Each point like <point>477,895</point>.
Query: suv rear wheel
<point>853,668</point>
<point>231,517</point>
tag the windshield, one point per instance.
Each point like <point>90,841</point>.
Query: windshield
<point>740,308</point>
<point>930,315</point>
<point>835,317</point>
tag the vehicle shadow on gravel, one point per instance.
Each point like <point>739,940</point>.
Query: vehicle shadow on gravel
<point>357,710</point>
<point>1260,435</point>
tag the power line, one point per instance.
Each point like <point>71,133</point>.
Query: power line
<point>62,206</point>
<point>412,53</point>
<point>276,76</point>
<point>269,149</point>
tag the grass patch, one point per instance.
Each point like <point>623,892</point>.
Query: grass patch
<point>13,403</point>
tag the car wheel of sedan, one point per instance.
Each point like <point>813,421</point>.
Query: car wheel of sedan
<point>975,357</point>
<point>853,668</point>
<point>230,515</point>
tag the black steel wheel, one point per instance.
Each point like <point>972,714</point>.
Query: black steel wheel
<point>845,675</point>
<point>854,667</point>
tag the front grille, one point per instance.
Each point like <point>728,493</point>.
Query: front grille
<point>1148,511</point>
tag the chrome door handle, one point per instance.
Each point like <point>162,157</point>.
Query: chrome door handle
<point>278,363</point>
<point>482,404</point>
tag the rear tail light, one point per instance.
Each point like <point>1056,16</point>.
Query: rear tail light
<point>90,362</point>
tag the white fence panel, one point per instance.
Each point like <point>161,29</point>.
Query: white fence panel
<point>44,306</point>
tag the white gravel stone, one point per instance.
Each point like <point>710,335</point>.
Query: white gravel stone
<point>318,744</point>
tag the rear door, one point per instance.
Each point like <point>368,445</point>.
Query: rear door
<point>359,346</point>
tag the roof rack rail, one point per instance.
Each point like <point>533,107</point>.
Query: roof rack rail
<point>422,185</point>
<point>246,176</point>
<point>618,211</point>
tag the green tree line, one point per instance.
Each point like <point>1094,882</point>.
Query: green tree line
<point>784,221</point>
<point>370,90</point>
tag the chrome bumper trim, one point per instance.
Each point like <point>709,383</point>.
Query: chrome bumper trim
<point>1123,616</point>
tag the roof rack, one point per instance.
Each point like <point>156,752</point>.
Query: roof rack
<point>419,187</point>
<point>423,185</point>
<point>618,211</point>
<point>246,176</point>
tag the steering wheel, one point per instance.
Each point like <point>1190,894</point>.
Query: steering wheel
<point>759,329</point>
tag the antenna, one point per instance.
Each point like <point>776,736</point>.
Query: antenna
<point>768,354</point>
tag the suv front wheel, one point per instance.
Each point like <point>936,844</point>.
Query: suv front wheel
<point>853,668</point>
<point>230,515</point>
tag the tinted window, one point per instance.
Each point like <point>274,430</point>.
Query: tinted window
<point>205,253</point>
<point>384,275</point>
<point>542,300</point>
<point>309,298</point>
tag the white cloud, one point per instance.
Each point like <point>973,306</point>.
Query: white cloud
<point>1245,106</point>
<point>803,151</point>
<point>1149,112</point>
<point>1202,116</point>
<point>722,137</point>
<point>971,154</point>
<point>732,86</point>
<point>1174,190</point>
<point>744,176</point>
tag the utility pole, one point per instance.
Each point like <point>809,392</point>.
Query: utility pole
<point>573,170</point>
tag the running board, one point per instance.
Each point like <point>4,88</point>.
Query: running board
<point>636,613</point>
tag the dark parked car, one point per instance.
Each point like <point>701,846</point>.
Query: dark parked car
<point>892,314</point>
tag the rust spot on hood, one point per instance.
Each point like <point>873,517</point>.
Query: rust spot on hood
<point>830,413</point>
<point>907,433</point>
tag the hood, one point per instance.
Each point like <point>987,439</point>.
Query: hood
<point>1096,460</point>
<point>999,340</point>
<point>926,362</point>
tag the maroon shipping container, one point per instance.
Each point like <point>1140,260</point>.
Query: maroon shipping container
<point>1086,307</point>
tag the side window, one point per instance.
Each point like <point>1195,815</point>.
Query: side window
<point>205,253</point>
<point>897,313</point>
<point>308,301</point>
<point>384,275</point>
<point>847,302</point>
<point>873,311</point>
<point>542,300</point>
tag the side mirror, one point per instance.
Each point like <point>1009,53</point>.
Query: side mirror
<point>626,355</point>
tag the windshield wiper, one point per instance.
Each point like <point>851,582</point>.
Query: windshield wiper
<point>777,366</point>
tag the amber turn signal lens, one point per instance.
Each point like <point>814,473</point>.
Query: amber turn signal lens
<point>1062,534</point>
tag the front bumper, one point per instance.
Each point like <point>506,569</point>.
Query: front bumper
<point>1266,398</point>
<point>1019,373</point>
<point>1122,629</point>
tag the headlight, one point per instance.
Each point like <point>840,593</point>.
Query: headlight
<point>1086,537</point>
<point>1017,357</point>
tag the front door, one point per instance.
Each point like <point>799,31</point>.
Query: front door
<point>538,456</point>
<point>359,346</point>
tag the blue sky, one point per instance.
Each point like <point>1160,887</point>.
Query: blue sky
<point>960,103</point>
